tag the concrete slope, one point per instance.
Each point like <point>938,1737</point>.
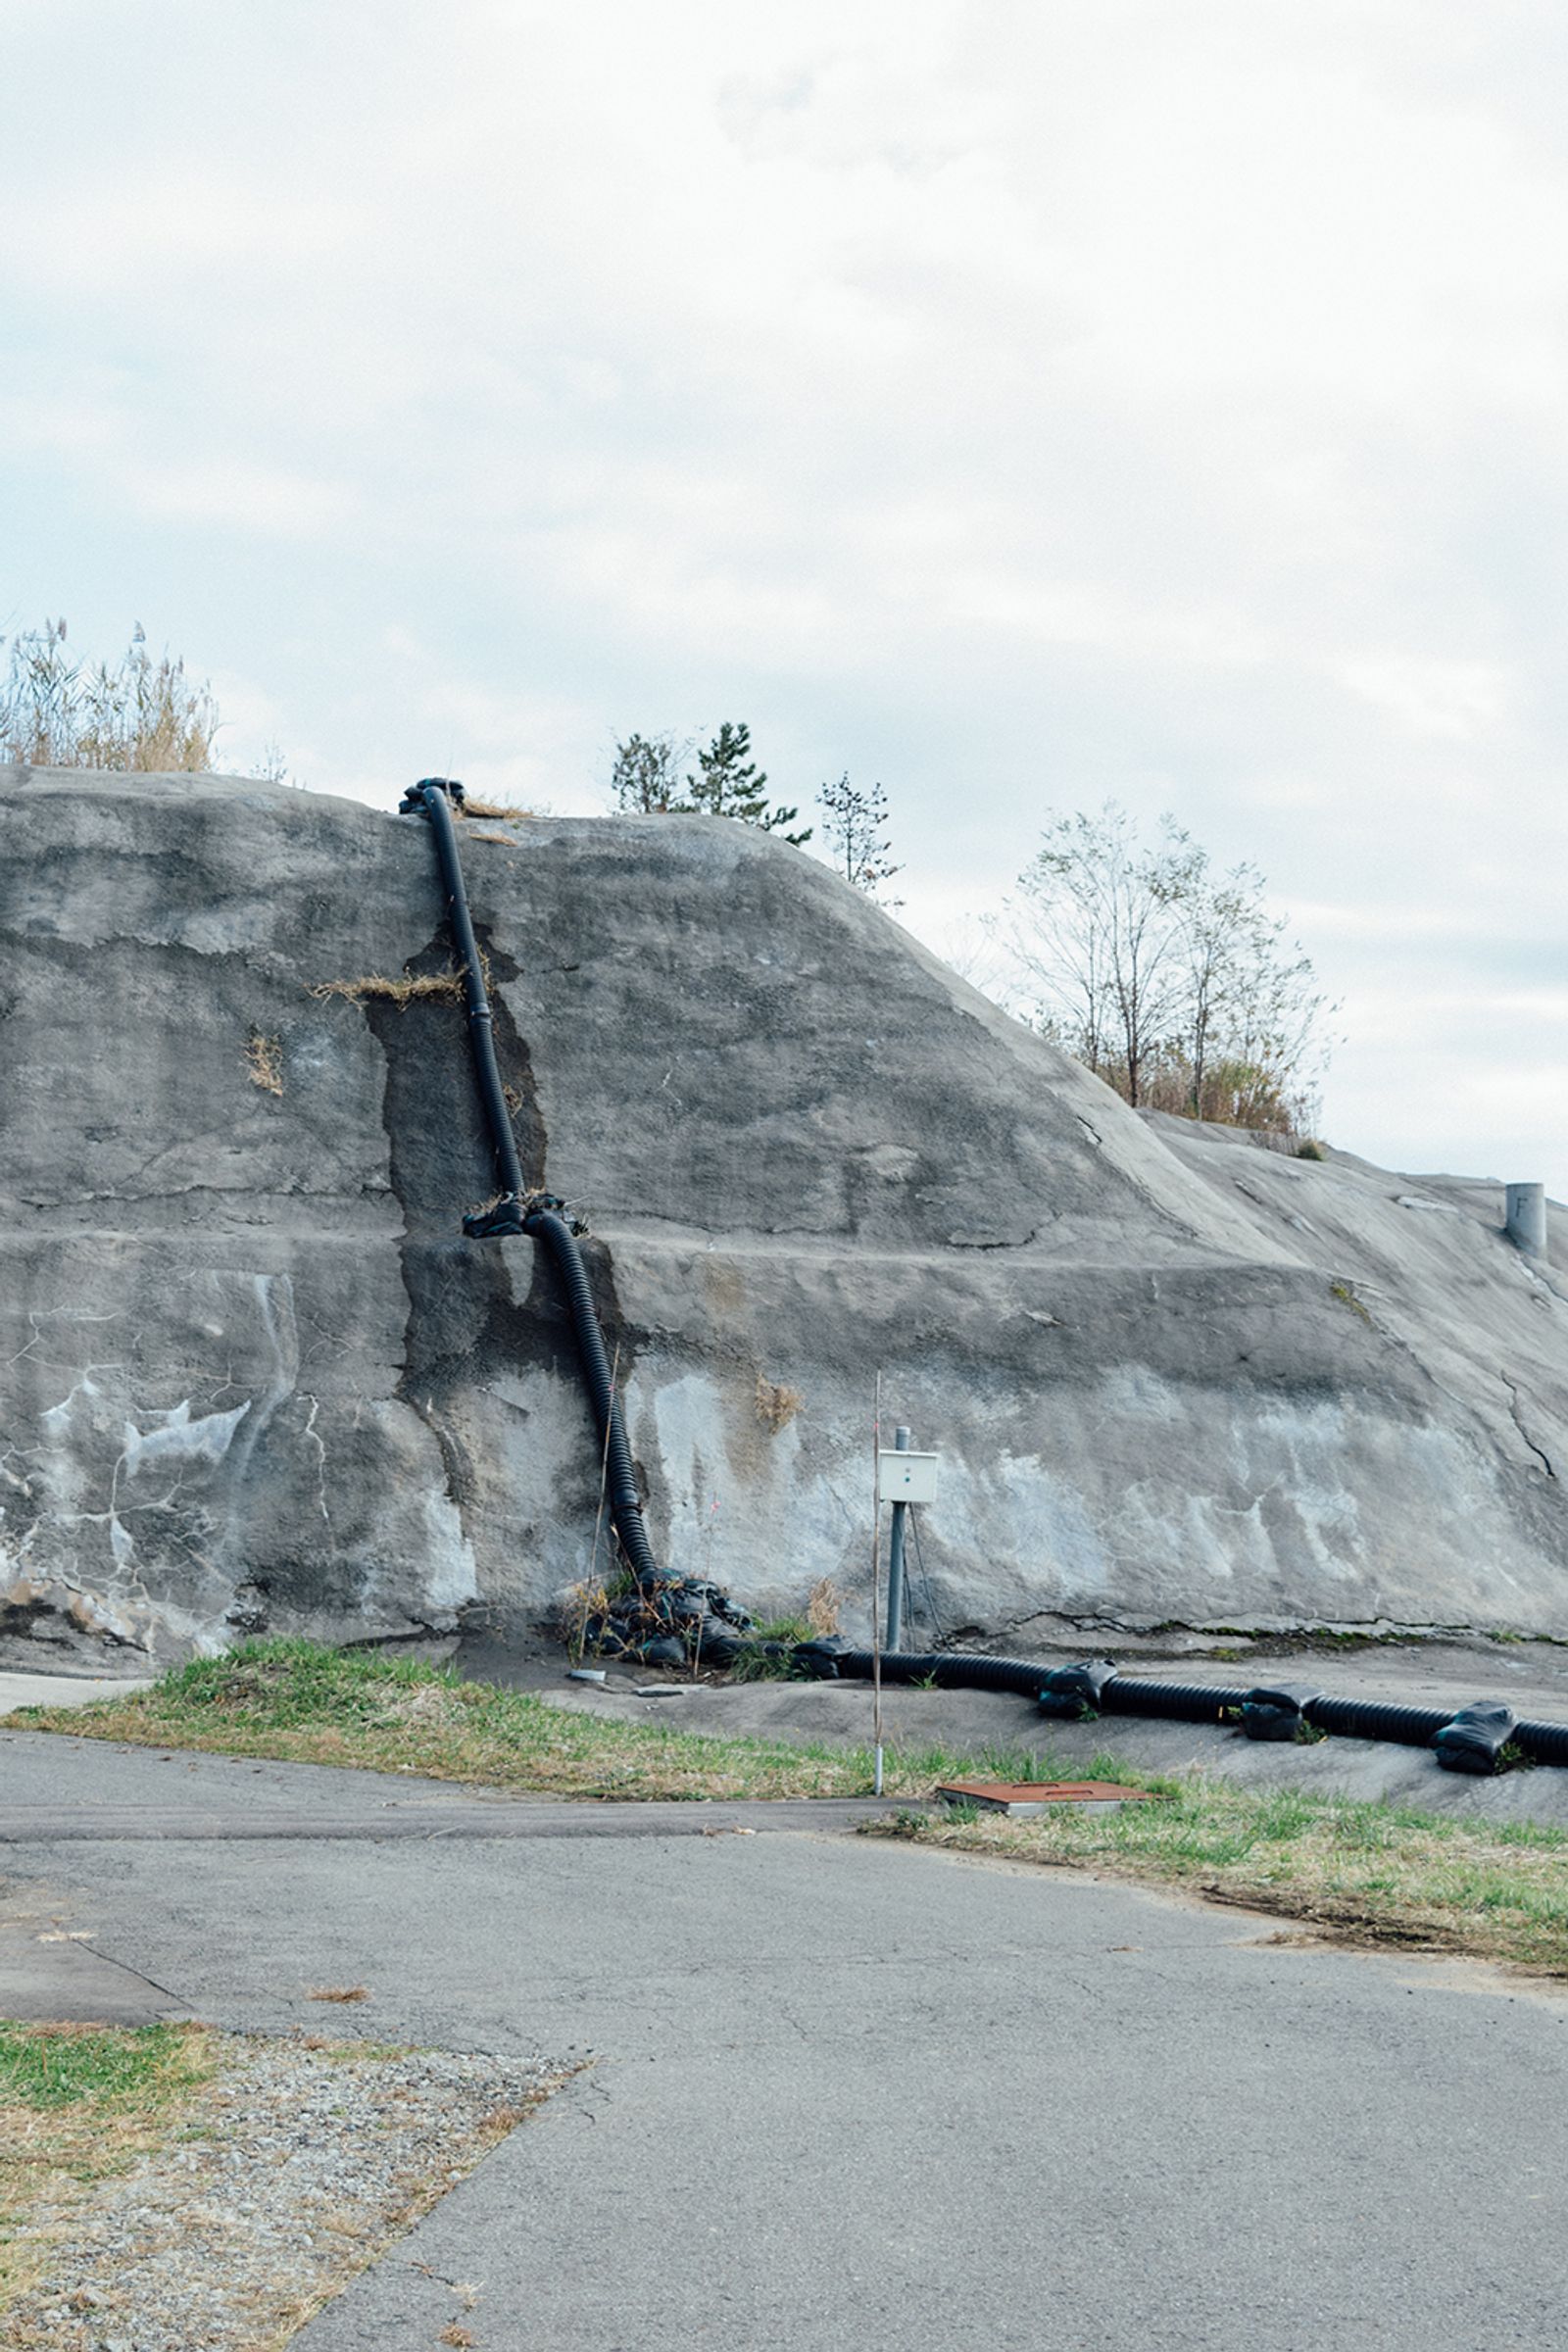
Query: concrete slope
<point>251,1375</point>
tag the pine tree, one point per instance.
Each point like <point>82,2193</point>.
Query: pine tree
<point>853,822</point>
<point>729,783</point>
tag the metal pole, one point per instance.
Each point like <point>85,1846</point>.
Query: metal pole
<point>901,1443</point>
<point>876,1584</point>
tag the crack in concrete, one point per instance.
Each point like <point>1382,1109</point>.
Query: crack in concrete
<point>1539,1452</point>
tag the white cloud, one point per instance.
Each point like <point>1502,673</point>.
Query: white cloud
<point>1465,699</point>
<point>1020,405</point>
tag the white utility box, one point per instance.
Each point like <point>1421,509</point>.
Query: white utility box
<point>908,1477</point>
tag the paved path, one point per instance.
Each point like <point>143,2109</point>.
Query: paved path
<point>426,1817</point>
<point>846,2094</point>
<point>65,1689</point>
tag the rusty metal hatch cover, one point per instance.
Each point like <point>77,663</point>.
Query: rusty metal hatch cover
<point>1033,1796</point>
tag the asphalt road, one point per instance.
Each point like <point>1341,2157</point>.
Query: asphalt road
<point>845,2093</point>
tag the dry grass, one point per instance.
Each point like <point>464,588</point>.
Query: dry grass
<point>578,1603</point>
<point>1363,1872</point>
<point>263,1058</point>
<point>309,1705</point>
<point>777,1405</point>
<point>492,809</point>
<point>79,2104</point>
<point>506,841</point>
<point>338,1992</point>
<point>137,714</point>
<point>825,1605</point>
<point>422,988</point>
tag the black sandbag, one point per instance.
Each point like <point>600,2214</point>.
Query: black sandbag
<point>1075,1691</point>
<point>1475,1737</point>
<point>820,1658</point>
<point>1276,1710</point>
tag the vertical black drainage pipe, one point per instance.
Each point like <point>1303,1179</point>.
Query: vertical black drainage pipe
<point>548,1225</point>
<point>540,1217</point>
<point>430,799</point>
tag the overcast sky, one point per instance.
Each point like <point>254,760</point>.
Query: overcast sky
<point>1014,404</point>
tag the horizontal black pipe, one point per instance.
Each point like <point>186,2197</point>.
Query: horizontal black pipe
<point>1377,1719</point>
<point>1544,1742</point>
<point>945,1670</point>
<point>1179,1702</point>
<point>1185,1702</point>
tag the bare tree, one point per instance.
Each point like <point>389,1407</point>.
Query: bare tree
<point>1094,927</point>
<point>1174,985</point>
<point>851,826</point>
<point>646,776</point>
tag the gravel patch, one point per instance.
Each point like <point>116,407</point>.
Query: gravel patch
<point>302,2161</point>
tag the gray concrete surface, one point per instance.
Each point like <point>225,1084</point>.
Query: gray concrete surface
<point>65,1689</point>
<point>50,1824</point>
<point>849,2095</point>
<point>254,1378</point>
<point>50,1971</point>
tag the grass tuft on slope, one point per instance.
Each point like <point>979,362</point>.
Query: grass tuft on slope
<point>306,1704</point>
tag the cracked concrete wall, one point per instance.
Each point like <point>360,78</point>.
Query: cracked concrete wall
<point>251,1375</point>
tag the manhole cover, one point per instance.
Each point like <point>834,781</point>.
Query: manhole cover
<point>1033,1796</point>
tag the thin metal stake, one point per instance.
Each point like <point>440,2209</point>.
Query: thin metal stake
<point>877,1580</point>
<point>604,1464</point>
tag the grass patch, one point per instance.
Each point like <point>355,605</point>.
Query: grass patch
<point>440,988</point>
<point>309,1705</point>
<point>50,2067</point>
<point>263,1058</point>
<point>468,806</point>
<point>1368,1872</point>
<point>78,2105</point>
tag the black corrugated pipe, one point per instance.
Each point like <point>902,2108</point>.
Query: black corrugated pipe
<point>1065,1689</point>
<point>1177,1702</point>
<point>960,1670</point>
<point>945,1670</point>
<point>538,1214</point>
<point>1377,1719</point>
<point>1544,1742</point>
<point>432,799</point>
<point>547,1224</point>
